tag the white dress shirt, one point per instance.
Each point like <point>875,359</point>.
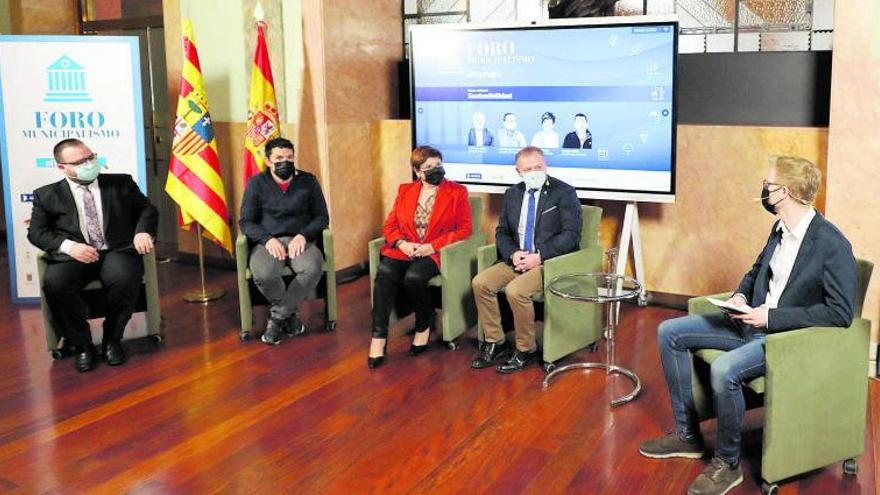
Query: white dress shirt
<point>523,217</point>
<point>478,136</point>
<point>511,139</point>
<point>546,139</point>
<point>784,256</point>
<point>80,210</point>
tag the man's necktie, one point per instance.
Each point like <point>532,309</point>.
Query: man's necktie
<point>530,223</point>
<point>93,228</point>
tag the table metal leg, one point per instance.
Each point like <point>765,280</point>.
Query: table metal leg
<point>609,370</point>
<point>608,365</point>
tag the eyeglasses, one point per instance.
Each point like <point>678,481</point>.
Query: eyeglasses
<point>93,156</point>
<point>766,184</point>
<point>425,169</point>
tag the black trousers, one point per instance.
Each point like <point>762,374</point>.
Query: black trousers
<point>120,272</point>
<point>414,276</point>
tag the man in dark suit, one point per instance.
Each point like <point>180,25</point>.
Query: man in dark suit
<point>91,227</point>
<point>478,135</point>
<point>581,137</point>
<point>805,276</point>
<point>540,219</point>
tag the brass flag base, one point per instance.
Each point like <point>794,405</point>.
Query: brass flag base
<point>204,296</point>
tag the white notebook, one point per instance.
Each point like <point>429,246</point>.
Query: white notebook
<point>729,307</point>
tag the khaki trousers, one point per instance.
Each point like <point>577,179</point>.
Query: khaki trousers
<point>519,289</point>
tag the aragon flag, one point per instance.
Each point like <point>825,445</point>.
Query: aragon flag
<point>194,180</point>
<point>262,109</point>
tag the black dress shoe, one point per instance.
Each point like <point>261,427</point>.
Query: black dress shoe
<point>375,362</point>
<point>114,355</point>
<point>85,360</point>
<point>415,350</point>
<point>489,352</point>
<point>518,361</point>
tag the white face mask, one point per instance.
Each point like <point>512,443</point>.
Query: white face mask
<point>535,179</point>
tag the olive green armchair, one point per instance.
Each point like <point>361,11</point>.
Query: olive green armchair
<point>814,393</point>
<point>458,265</point>
<point>568,325</point>
<point>249,295</point>
<point>148,301</point>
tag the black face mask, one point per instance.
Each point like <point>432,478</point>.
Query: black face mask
<point>765,200</point>
<point>435,176</point>
<point>284,169</point>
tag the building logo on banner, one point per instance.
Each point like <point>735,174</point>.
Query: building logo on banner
<point>67,82</point>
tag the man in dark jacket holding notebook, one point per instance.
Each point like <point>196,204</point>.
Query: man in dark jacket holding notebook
<point>805,276</point>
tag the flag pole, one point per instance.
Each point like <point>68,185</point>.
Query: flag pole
<point>207,294</point>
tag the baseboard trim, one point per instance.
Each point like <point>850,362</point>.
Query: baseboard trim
<point>210,261</point>
<point>343,275</point>
<point>351,273</point>
<point>668,300</point>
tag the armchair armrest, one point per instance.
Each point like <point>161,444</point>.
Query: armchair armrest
<point>486,256</point>
<point>588,259</point>
<point>241,255</point>
<point>570,325</point>
<point>329,253</point>
<point>701,306</point>
<point>453,255</point>
<point>374,246</point>
<point>458,265</point>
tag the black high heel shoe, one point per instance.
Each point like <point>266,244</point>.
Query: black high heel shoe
<point>415,350</point>
<point>375,362</point>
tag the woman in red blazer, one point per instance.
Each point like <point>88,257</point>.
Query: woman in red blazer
<point>428,214</point>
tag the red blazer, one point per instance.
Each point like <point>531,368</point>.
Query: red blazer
<point>450,219</point>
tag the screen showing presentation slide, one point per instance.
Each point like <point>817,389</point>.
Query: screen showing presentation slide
<point>599,100</point>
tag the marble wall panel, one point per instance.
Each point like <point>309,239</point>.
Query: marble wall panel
<point>43,17</point>
<point>854,137</point>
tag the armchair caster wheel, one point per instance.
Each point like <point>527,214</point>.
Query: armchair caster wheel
<point>594,347</point>
<point>452,345</point>
<point>244,336</point>
<point>548,367</point>
<point>57,354</point>
<point>330,325</point>
<point>769,488</point>
<point>158,338</point>
<point>851,467</point>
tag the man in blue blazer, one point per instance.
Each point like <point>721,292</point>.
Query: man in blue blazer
<point>540,219</point>
<point>805,276</point>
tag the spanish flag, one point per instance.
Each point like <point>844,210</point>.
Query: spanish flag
<point>262,109</point>
<point>194,180</point>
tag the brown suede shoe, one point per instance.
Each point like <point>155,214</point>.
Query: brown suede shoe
<point>672,445</point>
<point>717,479</point>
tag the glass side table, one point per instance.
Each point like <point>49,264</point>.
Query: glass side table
<point>599,288</point>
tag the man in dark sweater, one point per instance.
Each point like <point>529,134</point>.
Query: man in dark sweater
<point>283,214</point>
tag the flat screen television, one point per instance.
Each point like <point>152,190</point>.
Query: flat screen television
<point>597,95</point>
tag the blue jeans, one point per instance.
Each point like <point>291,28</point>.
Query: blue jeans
<point>743,361</point>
